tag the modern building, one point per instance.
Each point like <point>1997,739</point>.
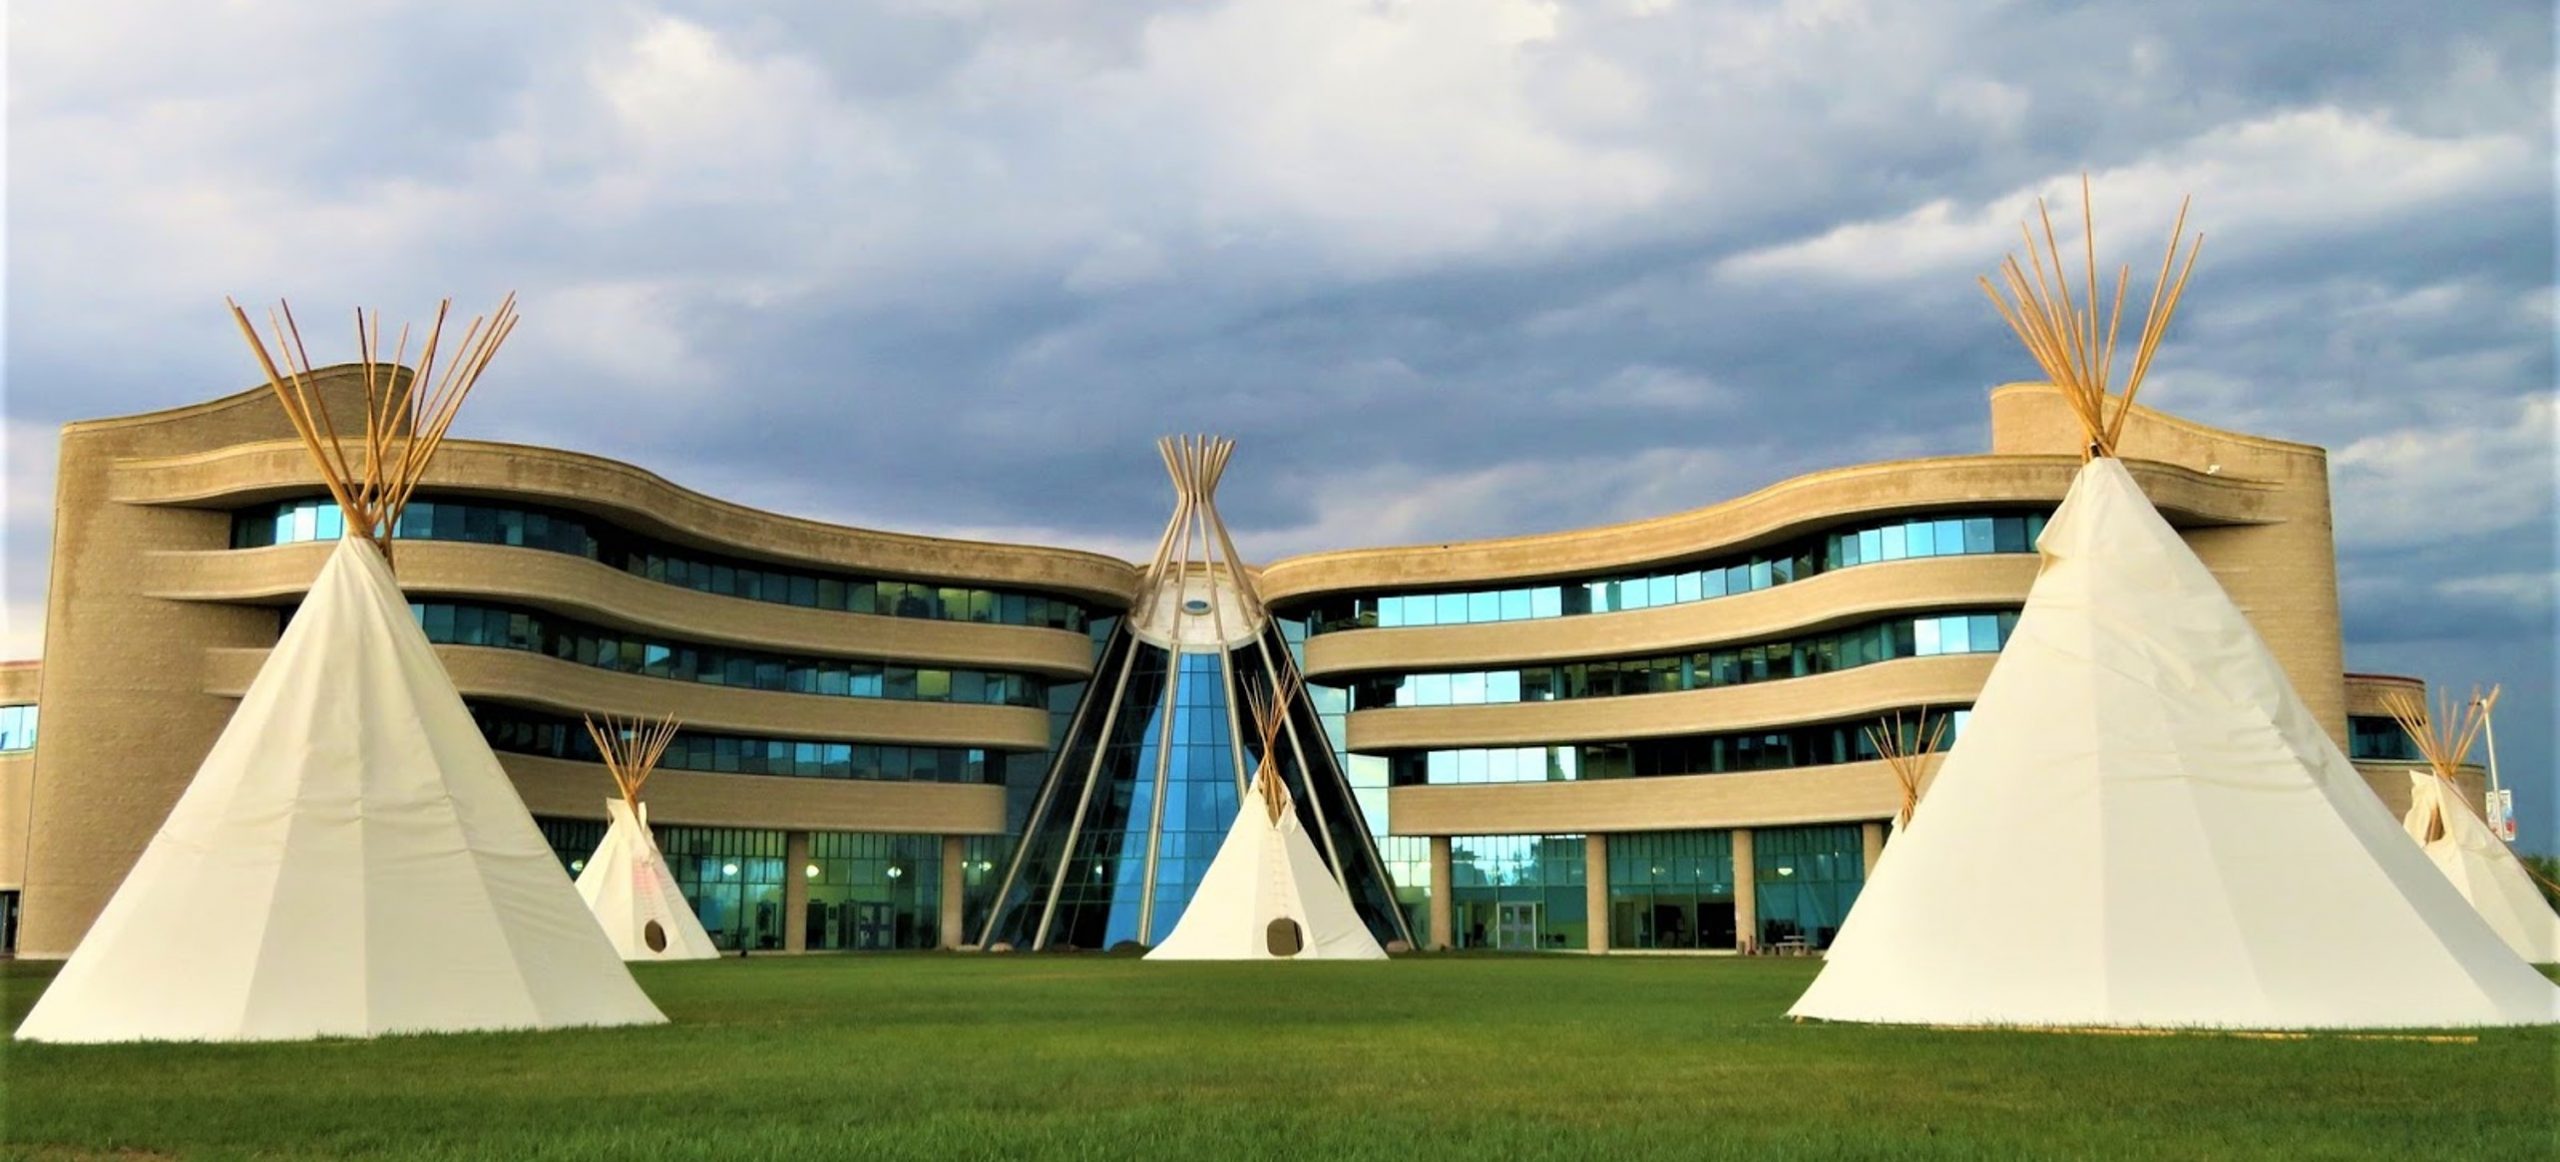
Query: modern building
<point>1634,736</point>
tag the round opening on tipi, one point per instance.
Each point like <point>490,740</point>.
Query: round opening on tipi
<point>655,936</point>
<point>1283,937</point>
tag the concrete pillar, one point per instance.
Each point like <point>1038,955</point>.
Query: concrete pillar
<point>955,872</point>
<point>1871,837</point>
<point>795,892</point>
<point>1746,903</point>
<point>1440,893</point>
<point>1595,890</point>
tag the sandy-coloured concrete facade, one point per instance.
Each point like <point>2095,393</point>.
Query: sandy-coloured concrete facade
<point>160,610</point>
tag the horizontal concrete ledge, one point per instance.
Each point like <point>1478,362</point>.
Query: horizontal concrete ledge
<point>1781,511</point>
<point>1845,694</point>
<point>1847,792</point>
<point>593,592</point>
<point>697,799</point>
<point>644,503</point>
<point>546,683</point>
<point>1804,607</point>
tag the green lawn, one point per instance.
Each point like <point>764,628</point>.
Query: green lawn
<point>1094,1057</point>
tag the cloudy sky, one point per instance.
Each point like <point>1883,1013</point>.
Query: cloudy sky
<point>1448,268</point>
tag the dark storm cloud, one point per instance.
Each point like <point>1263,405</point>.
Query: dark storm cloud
<point>1449,267</point>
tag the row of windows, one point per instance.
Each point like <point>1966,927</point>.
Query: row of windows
<point>552,736</point>
<point>508,627</point>
<point>17,728</point>
<point>1742,573</point>
<point>2380,738</point>
<point>1696,754</point>
<point>295,521</point>
<point>1903,637</point>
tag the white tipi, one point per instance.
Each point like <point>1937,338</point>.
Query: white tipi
<point>2460,842</point>
<point>1268,895</point>
<point>1156,761</point>
<point>626,882</point>
<point>350,860</point>
<point>2142,824</point>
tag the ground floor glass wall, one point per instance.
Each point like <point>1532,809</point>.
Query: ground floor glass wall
<point>871,892</point>
<point>1671,889</point>
<point>734,878</point>
<point>1804,879</point>
<point>1518,893</point>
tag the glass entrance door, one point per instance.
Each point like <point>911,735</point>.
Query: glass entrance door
<point>1516,927</point>
<point>874,926</point>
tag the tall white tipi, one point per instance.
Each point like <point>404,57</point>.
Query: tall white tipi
<point>350,860</point>
<point>626,882</point>
<point>1268,894</point>
<point>1155,765</point>
<point>2459,841</point>
<point>2141,824</point>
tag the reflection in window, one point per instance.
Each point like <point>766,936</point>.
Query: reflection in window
<point>2380,738</point>
<point>518,731</point>
<point>577,535</point>
<point>1697,754</point>
<point>17,728</point>
<point>1671,889</point>
<point>1804,879</point>
<point>872,892</point>
<point>1879,641</point>
<point>1952,535</point>
<point>1518,893</point>
<point>733,878</point>
<point>508,627</point>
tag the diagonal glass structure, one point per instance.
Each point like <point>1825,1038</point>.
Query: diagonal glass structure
<point>1157,757</point>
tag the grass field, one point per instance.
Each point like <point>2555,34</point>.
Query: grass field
<point>1093,1057</point>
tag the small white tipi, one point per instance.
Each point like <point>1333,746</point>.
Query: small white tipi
<point>1268,895</point>
<point>350,860</point>
<point>2460,842</point>
<point>2142,824</point>
<point>626,882</point>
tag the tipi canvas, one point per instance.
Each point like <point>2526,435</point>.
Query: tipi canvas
<point>2141,824</point>
<point>349,861</point>
<point>626,882</point>
<point>1268,895</point>
<point>2460,842</point>
<point>2483,869</point>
